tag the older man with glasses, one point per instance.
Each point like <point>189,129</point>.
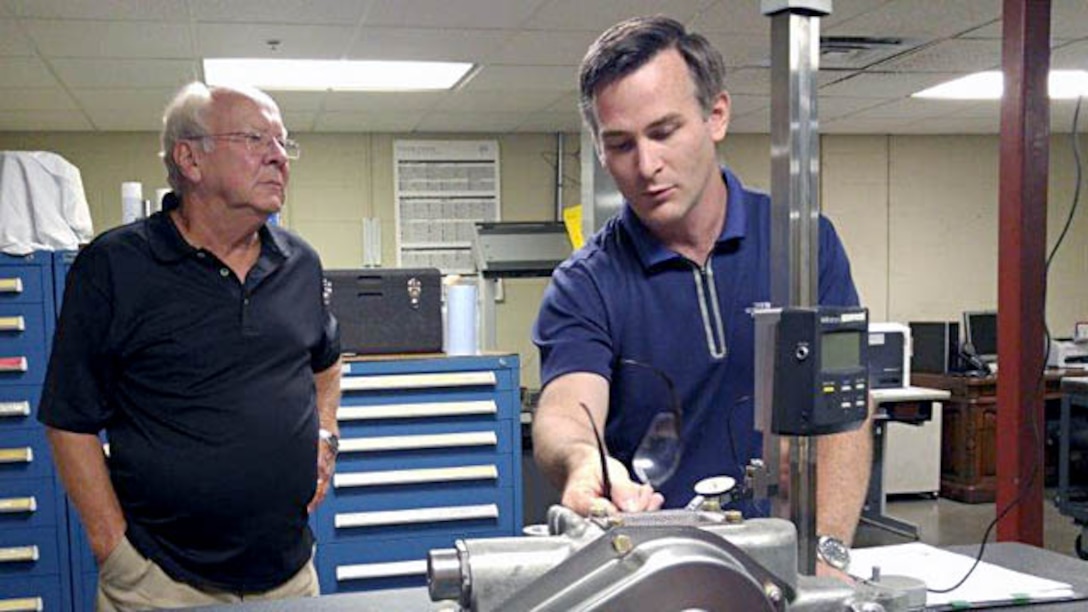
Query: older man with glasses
<point>199,341</point>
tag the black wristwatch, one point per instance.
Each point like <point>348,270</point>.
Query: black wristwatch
<point>331,439</point>
<point>833,552</point>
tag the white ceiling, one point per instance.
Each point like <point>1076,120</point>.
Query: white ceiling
<point>107,65</point>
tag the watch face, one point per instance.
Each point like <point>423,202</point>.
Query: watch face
<point>833,552</point>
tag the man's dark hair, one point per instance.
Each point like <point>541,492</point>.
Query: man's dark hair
<point>630,44</point>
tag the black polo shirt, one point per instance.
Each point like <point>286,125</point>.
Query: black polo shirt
<point>205,388</point>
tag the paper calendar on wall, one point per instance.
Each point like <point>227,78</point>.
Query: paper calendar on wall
<point>442,188</point>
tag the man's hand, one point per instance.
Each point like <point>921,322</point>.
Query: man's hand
<point>585,492</point>
<point>326,466</point>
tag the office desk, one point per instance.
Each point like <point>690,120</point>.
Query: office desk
<point>911,405</point>
<point>1070,498</point>
<point>1013,555</point>
<point>968,434</point>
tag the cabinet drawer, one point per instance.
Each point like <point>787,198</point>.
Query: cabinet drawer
<point>364,410</point>
<point>26,504</point>
<point>428,446</point>
<point>19,406</point>
<point>31,552</point>
<point>24,454</point>
<point>21,284</point>
<point>367,516</point>
<point>429,472</point>
<point>27,594</point>
<point>379,563</point>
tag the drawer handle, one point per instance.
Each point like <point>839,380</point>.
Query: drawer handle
<point>397,443</point>
<point>11,285</point>
<point>16,455</point>
<point>418,381</point>
<point>15,408</point>
<point>415,411</point>
<point>400,477</point>
<point>13,364</point>
<point>380,570</point>
<point>417,515</point>
<point>25,604</point>
<point>12,324</point>
<point>18,554</point>
<point>14,505</point>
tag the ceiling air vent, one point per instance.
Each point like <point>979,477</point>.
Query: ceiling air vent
<point>858,52</point>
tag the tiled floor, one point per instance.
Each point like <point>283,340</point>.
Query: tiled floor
<point>943,522</point>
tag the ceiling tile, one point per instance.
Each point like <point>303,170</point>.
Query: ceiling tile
<point>833,108</point>
<point>298,101</point>
<point>19,72</point>
<point>252,40</point>
<point>43,120</point>
<point>378,121</point>
<point>70,38</point>
<point>298,12</point>
<point>546,48</point>
<point>12,40</point>
<point>960,55</point>
<point>884,85</point>
<point>855,125</point>
<point>754,81</point>
<point>551,121</point>
<point>426,45</point>
<point>741,104</point>
<point>25,99</point>
<point>758,122</point>
<point>729,17</point>
<point>924,19</point>
<point>126,99</point>
<point>567,102</point>
<point>444,14</point>
<point>512,78</point>
<point>117,10</point>
<point>125,73</point>
<point>470,122</point>
<point>147,119</point>
<point>367,102</point>
<point>1072,56</point>
<point>518,100</point>
<point>752,49</point>
<point>597,16</point>
<point>1067,21</point>
<point>911,108</point>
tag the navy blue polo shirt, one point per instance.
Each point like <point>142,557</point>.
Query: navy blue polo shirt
<point>625,296</point>
<point>205,387</point>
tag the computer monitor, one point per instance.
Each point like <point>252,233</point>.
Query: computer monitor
<point>980,334</point>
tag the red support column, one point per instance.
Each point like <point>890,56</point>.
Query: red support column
<point>1025,138</point>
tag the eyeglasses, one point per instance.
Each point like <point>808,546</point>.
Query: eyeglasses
<point>658,453</point>
<point>256,142</point>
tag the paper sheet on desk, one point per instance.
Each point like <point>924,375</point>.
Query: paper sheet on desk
<point>940,569</point>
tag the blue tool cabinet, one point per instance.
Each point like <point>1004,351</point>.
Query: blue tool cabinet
<point>34,550</point>
<point>430,452</point>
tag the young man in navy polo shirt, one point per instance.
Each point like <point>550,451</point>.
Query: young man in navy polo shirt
<point>667,283</point>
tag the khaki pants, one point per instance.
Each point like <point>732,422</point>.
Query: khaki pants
<point>129,581</point>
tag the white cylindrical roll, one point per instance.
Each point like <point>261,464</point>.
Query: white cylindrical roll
<point>156,204</point>
<point>461,319</point>
<point>132,202</point>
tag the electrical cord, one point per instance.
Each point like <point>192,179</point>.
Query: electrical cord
<point>1036,435</point>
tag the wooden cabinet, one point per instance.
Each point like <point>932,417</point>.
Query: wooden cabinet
<point>969,433</point>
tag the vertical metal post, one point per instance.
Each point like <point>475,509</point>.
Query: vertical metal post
<point>795,210</point>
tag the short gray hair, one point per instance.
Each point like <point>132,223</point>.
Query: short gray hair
<point>183,119</point>
<point>631,44</point>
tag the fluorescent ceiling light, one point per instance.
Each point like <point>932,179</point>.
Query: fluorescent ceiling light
<point>1063,84</point>
<point>335,75</point>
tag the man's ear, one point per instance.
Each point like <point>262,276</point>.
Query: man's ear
<point>718,119</point>
<point>187,160</point>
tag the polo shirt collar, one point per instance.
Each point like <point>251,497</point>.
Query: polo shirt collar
<point>651,252</point>
<point>168,245</point>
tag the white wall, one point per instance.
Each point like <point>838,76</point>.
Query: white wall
<point>918,214</point>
